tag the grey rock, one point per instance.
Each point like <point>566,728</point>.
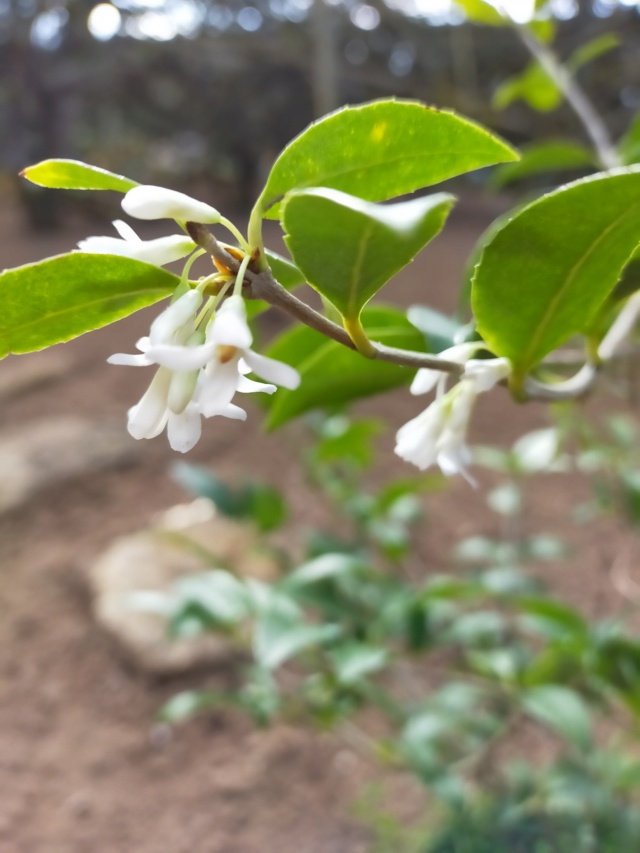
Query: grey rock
<point>52,450</point>
<point>186,540</point>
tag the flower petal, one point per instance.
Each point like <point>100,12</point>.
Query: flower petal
<point>417,440</point>
<point>248,386</point>
<point>486,373</point>
<point>218,386</point>
<point>425,380</point>
<point>176,315</point>
<point>181,391</point>
<point>273,371</point>
<point>163,250</point>
<point>233,412</point>
<point>184,429</point>
<point>229,326</point>
<point>181,358</point>
<point>137,360</point>
<point>126,231</point>
<point>149,417</point>
<point>149,202</point>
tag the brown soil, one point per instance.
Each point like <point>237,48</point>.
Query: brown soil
<point>83,764</point>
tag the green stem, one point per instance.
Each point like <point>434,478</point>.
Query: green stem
<point>359,337</point>
<point>575,97</point>
<point>254,234</point>
<point>236,233</point>
<point>237,288</point>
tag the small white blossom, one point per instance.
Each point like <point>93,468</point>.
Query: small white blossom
<point>438,435</point>
<point>161,251</point>
<point>148,202</point>
<point>163,405</point>
<point>198,374</point>
<point>230,339</point>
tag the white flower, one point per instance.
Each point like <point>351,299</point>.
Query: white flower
<point>438,435</point>
<point>163,405</point>
<point>426,378</point>
<point>198,375</point>
<point>486,373</point>
<point>161,251</point>
<point>169,400</point>
<point>230,339</point>
<point>148,202</point>
<point>172,329</point>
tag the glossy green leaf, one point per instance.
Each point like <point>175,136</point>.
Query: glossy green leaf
<point>284,270</point>
<point>534,86</point>
<point>543,275</point>
<point>629,280</point>
<point>348,249</point>
<point>482,13</point>
<point>553,619</point>
<point>438,329</point>
<point>543,28</point>
<point>74,175</point>
<point>593,49</point>
<point>381,150</point>
<point>276,640</point>
<point>328,566</point>
<point>332,374</point>
<point>561,709</point>
<point>541,158</point>
<point>354,661</point>
<point>60,298</point>
<point>629,145</point>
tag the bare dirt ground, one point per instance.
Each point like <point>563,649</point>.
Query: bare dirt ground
<point>83,764</point>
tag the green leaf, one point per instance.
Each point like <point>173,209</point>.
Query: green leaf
<point>284,270</point>
<point>534,86</point>
<point>561,709</point>
<point>505,499</point>
<point>276,640</point>
<point>553,618</point>
<point>629,145</point>
<point>354,661</point>
<point>60,298</point>
<point>74,175</point>
<point>438,329</point>
<point>381,150</point>
<point>216,596</point>
<point>255,502</point>
<point>332,374</point>
<point>266,506</point>
<point>205,484</point>
<point>541,158</point>
<point>325,567</point>
<point>591,50</point>
<point>536,451</point>
<point>348,249</point>
<point>542,277</point>
<point>185,704</point>
<point>347,442</point>
<point>482,13</point>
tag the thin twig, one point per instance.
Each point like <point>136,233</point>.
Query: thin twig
<point>264,286</point>
<point>576,98</point>
<point>570,389</point>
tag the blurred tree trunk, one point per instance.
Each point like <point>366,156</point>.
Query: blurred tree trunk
<point>325,59</point>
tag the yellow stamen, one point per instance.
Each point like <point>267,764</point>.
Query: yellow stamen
<point>225,353</point>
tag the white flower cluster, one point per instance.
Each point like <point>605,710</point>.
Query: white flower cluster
<point>203,356</point>
<point>438,435</point>
<point>146,202</point>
